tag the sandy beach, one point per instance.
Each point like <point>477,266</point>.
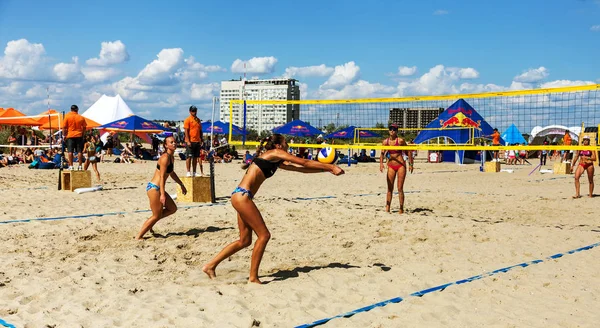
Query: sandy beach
<point>333,250</point>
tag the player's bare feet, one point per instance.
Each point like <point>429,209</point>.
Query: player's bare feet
<point>401,210</point>
<point>576,196</point>
<point>254,281</point>
<point>210,272</point>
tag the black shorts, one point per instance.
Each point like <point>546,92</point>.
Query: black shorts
<point>193,150</point>
<point>74,144</point>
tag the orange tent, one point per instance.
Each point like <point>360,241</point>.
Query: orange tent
<point>53,123</point>
<point>44,119</point>
<point>17,118</point>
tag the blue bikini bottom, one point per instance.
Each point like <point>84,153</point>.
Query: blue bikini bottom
<point>244,191</point>
<point>152,186</point>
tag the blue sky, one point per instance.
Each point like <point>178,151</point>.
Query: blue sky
<point>163,56</point>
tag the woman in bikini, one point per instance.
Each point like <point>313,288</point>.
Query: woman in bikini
<point>92,158</point>
<point>161,203</point>
<point>248,216</point>
<point>396,167</point>
<point>586,163</point>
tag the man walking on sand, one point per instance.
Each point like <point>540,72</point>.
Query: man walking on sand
<point>193,142</point>
<point>74,131</point>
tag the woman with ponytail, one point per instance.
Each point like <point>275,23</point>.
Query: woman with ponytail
<point>250,220</point>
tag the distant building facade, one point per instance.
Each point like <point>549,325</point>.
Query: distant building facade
<point>413,118</point>
<point>259,117</point>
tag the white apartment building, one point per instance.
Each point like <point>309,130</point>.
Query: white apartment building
<point>260,117</point>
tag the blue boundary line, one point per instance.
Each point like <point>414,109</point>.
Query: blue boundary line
<point>6,324</point>
<point>440,288</point>
<point>84,216</point>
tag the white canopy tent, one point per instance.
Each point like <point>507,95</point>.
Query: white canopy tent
<point>108,109</point>
<point>554,130</point>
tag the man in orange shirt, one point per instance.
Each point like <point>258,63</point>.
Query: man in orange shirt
<point>567,142</point>
<point>495,141</point>
<point>74,132</point>
<point>193,142</point>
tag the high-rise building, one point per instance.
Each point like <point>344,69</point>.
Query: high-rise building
<point>414,118</point>
<point>260,117</point>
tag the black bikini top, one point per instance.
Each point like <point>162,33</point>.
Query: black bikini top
<point>268,168</point>
<point>169,167</point>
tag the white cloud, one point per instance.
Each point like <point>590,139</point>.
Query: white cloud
<point>342,75</point>
<point>99,74</point>
<point>468,73</point>
<point>441,12</point>
<point>360,89</point>
<point>110,53</point>
<point>194,71</point>
<point>196,66</point>
<point>564,83</point>
<point>438,80</point>
<point>308,71</point>
<point>37,91</point>
<point>532,75</point>
<point>303,90</point>
<point>162,71</point>
<point>68,72</point>
<point>24,61</point>
<point>407,71</point>
<point>204,92</point>
<point>256,65</point>
<point>595,28</point>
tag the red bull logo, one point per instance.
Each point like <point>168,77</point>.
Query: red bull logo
<point>119,124</point>
<point>216,129</point>
<point>460,110</point>
<point>341,134</point>
<point>459,120</point>
<point>299,128</point>
<point>147,125</point>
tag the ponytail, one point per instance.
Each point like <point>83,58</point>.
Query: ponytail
<point>270,142</point>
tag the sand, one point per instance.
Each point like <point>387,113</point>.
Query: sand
<point>327,255</point>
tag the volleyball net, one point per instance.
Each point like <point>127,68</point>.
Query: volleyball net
<point>537,115</point>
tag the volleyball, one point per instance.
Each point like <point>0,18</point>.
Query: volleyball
<point>327,155</point>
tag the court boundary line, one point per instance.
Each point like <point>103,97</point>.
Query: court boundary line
<point>442,287</point>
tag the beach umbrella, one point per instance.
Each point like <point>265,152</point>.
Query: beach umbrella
<point>220,127</point>
<point>11,116</point>
<point>46,116</point>
<point>348,133</point>
<point>53,123</point>
<point>298,128</point>
<point>133,124</point>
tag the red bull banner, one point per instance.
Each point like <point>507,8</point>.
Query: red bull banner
<point>447,124</point>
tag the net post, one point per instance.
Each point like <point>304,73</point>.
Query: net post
<point>211,164</point>
<point>244,135</point>
<point>349,150</point>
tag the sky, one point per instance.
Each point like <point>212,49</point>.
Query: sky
<point>162,57</point>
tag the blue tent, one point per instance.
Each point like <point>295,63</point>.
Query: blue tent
<point>297,128</point>
<point>512,135</point>
<point>134,124</point>
<point>220,127</point>
<point>459,114</point>
<point>348,133</point>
